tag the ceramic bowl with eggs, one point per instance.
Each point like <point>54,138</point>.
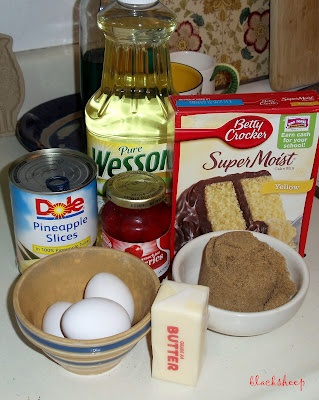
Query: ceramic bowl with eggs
<point>186,268</point>
<point>64,278</point>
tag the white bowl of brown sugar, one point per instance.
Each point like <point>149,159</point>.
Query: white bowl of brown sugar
<point>257,283</point>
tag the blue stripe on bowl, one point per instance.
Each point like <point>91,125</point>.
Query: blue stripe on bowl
<point>87,364</point>
<point>83,350</point>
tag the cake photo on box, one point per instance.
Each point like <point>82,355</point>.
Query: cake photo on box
<point>231,202</point>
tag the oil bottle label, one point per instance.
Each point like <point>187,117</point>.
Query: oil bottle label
<point>113,157</point>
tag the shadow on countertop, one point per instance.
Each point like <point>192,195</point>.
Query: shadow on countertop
<point>312,87</point>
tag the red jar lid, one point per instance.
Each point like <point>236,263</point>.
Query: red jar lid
<point>136,189</point>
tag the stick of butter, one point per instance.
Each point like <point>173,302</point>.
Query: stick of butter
<point>179,317</point>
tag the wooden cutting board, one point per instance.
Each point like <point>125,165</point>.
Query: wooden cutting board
<point>294,43</point>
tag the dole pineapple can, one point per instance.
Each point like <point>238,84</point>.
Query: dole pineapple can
<point>54,203</point>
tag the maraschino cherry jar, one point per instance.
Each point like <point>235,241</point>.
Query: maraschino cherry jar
<point>136,218</point>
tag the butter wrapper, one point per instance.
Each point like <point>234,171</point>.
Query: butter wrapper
<point>179,317</point>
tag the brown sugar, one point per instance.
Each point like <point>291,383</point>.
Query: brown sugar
<point>244,274</point>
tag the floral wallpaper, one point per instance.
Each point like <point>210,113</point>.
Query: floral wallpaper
<point>233,31</point>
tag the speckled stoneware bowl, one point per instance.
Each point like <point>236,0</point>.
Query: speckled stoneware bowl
<point>64,276</point>
<point>186,267</point>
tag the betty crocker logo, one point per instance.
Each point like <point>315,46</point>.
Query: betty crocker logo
<point>246,131</point>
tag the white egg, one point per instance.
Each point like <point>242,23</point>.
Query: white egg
<point>94,318</point>
<point>109,286</point>
<point>52,318</point>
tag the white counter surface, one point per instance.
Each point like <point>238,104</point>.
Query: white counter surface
<point>230,366</point>
<point>288,358</point>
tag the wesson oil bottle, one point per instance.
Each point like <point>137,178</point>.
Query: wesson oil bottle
<point>127,118</point>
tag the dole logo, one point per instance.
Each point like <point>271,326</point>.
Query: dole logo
<point>44,207</point>
<point>246,131</point>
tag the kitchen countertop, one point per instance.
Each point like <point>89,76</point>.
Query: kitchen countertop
<point>231,365</point>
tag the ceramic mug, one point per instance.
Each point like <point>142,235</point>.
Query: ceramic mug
<point>209,69</point>
<point>187,80</point>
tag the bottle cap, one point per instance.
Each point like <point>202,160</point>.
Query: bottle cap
<point>138,2</point>
<point>136,189</point>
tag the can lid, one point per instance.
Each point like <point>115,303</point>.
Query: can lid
<point>135,189</point>
<point>52,170</point>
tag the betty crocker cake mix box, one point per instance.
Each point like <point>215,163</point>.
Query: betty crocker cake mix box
<point>245,162</point>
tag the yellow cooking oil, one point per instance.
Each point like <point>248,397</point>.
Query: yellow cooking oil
<point>127,118</point>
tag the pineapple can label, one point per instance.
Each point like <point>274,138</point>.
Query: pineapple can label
<point>54,203</point>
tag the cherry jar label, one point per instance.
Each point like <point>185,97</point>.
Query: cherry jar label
<point>155,253</point>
